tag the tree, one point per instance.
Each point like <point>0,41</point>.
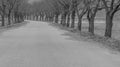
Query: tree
<point>56,9</point>
<point>19,10</point>
<point>10,7</point>
<point>111,7</point>
<point>74,4</point>
<point>3,11</point>
<point>81,11</point>
<point>65,10</point>
<point>92,10</point>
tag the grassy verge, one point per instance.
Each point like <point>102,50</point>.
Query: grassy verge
<point>12,26</point>
<point>110,43</point>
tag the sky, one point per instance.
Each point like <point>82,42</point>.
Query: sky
<point>31,1</point>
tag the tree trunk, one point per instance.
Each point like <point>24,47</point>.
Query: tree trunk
<point>68,20</point>
<point>79,23</point>
<point>109,25</point>
<point>16,20</point>
<point>80,16</point>
<point>91,18</point>
<point>42,18</point>
<point>37,18</point>
<point>73,19</point>
<point>3,20</point>
<point>63,19</point>
<point>12,19</point>
<point>91,25</point>
<point>56,18</point>
<point>9,19</point>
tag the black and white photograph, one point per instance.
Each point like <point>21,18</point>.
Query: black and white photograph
<point>59,33</point>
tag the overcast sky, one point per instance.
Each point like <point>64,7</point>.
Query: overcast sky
<point>33,0</point>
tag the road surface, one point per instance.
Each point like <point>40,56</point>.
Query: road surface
<point>38,44</point>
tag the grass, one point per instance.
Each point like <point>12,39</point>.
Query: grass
<point>112,43</point>
<point>12,26</point>
<point>100,28</point>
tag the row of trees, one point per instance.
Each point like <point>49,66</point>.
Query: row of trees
<point>12,11</point>
<point>68,10</point>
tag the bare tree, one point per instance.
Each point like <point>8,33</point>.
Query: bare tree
<point>10,7</point>
<point>56,9</point>
<point>92,10</point>
<point>65,10</point>
<point>3,11</point>
<point>19,10</point>
<point>74,4</point>
<point>81,11</point>
<point>111,7</point>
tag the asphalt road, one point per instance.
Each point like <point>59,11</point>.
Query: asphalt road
<point>39,44</point>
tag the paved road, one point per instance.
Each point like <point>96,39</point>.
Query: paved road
<point>38,44</point>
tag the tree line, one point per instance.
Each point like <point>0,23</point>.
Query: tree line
<point>64,11</point>
<point>12,11</point>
